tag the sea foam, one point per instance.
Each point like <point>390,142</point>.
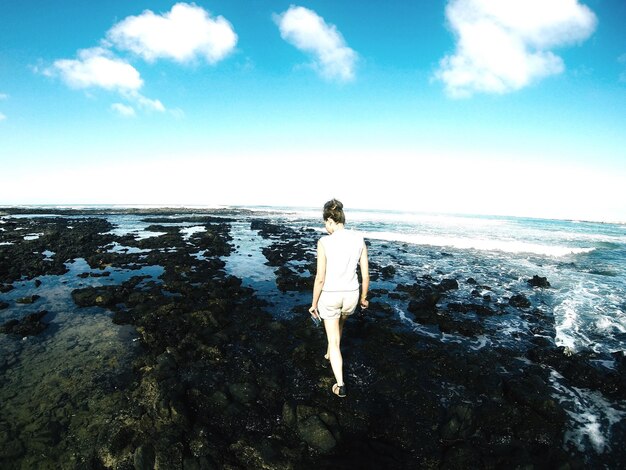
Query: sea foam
<point>482,244</point>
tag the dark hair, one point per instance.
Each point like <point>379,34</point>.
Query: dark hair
<point>333,209</point>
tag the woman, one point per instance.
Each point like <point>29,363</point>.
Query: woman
<point>336,288</point>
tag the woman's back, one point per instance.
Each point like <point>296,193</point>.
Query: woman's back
<point>343,250</point>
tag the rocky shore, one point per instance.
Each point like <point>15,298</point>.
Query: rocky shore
<point>221,382</point>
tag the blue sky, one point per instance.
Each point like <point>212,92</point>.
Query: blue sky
<point>467,106</point>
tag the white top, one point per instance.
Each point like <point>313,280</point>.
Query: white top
<point>343,250</point>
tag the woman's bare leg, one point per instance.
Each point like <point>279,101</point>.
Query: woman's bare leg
<point>333,333</point>
<point>342,321</point>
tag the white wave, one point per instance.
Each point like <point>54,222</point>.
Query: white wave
<point>416,327</point>
<point>187,232</point>
<point>434,220</point>
<point>32,236</point>
<point>591,415</point>
<point>481,342</point>
<point>483,244</point>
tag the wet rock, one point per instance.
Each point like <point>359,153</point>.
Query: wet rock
<point>314,432</point>
<point>519,301</point>
<point>218,400</point>
<point>169,455</point>
<point>143,458</point>
<point>388,272</point>
<point>289,280</point>
<point>27,300</point>
<point>447,285</point>
<point>199,442</point>
<point>3,305</point>
<point>459,424</point>
<point>423,304</point>
<point>29,325</point>
<point>257,454</point>
<point>4,288</point>
<point>289,415</point>
<point>538,281</point>
<point>12,449</point>
<point>243,392</point>
<point>479,309</point>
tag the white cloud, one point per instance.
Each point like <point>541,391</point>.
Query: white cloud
<point>504,45</point>
<point>308,31</point>
<point>145,103</point>
<point>97,67</point>
<point>2,117</point>
<point>177,113</point>
<point>123,109</point>
<point>182,34</point>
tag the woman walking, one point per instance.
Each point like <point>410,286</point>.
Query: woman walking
<point>336,288</point>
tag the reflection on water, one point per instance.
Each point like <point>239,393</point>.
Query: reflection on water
<point>59,388</point>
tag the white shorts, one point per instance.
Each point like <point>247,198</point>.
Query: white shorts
<point>334,304</point>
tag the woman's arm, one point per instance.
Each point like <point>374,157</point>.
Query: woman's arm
<point>320,277</point>
<point>365,276</point>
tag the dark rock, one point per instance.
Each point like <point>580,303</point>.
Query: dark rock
<point>537,281</point>
<point>28,326</point>
<point>27,300</point>
<point>199,444</point>
<point>314,432</point>
<point>243,392</point>
<point>12,449</point>
<point>519,301</point>
<point>4,288</point>
<point>3,305</point>
<point>388,272</point>
<point>143,458</point>
<point>289,415</point>
<point>288,280</point>
<point>459,423</point>
<point>448,284</point>
<point>424,305</point>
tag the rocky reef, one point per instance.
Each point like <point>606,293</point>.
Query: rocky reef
<point>221,382</point>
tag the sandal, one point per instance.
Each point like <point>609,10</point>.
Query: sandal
<point>339,390</point>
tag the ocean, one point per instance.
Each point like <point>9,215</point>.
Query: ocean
<point>584,262</point>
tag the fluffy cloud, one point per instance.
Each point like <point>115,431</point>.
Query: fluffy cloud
<point>123,109</point>
<point>307,31</point>
<point>97,67</point>
<point>182,34</point>
<point>504,45</point>
<point>145,103</point>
